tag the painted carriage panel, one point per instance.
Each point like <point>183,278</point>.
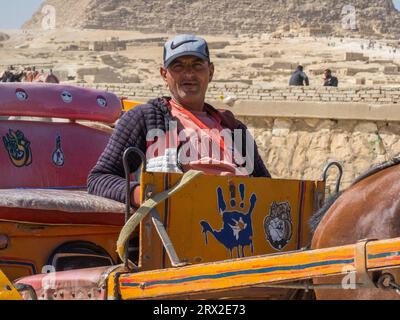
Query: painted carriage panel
<point>46,154</point>
<point>130,104</point>
<point>58,101</point>
<point>30,245</point>
<point>218,218</point>
<point>7,290</point>
<point>249,272</point>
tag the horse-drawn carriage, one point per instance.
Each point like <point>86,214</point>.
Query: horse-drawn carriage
<point>194,236</point>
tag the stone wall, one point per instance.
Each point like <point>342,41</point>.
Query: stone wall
<point>299,148</point>
<point>297,138</point>
<point>242,91</point>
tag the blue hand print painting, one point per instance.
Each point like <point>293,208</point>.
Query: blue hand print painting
<point>236,232</point>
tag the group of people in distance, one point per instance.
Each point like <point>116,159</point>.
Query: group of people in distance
<point>299,78</point>
<point>28,74</point>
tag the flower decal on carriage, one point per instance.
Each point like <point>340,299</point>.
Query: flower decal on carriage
<point>58,154</point>
<point>18,148</point>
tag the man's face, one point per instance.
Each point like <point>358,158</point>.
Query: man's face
<point>327,74</point>
<point>187,79</point>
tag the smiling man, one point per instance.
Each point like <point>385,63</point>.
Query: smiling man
<point>180,132</point>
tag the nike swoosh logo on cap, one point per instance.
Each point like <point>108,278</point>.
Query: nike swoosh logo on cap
<point>174,46</point>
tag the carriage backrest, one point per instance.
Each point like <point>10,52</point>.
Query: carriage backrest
<point>218,218</point>
<point>41,151</point>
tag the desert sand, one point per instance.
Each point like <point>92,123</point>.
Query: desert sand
<point>265,59</point>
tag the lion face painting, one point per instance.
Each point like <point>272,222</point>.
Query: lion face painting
<point>278,225</point>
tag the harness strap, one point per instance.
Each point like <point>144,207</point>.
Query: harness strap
<point>146,207</point>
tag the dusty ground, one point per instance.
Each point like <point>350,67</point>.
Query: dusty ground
<point>259,59</point>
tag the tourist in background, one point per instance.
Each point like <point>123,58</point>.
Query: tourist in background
<point>28,75</point>
<point>11,75</point>
<point>51,77</point>
<point>299,78</point>
<point>329,80</point>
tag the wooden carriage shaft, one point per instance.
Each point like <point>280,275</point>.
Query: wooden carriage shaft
<point>260,270</point>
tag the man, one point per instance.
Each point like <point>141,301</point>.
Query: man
<point>28,77</point>
<point>51,77</point>
<point>329,80</point>
<point>4,75</point>
<point>299,78</point>
<point>9,75</point>
<point>168,129</point>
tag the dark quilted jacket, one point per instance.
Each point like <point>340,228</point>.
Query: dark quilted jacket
<point>107,177</point>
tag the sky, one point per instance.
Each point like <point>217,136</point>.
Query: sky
<point>13,13</point>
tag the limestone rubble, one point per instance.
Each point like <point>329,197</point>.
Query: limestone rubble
<point>378,17</point>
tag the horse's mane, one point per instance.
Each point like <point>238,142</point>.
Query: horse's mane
<point>317,217</point>
<point>377,168</point>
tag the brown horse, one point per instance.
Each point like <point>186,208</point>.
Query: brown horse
<point>368,209</point>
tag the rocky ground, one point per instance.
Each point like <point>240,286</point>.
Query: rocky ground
<point>249,59</point>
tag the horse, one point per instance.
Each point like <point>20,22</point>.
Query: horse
<point>368,209</point>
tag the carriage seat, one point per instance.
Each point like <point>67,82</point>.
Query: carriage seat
<point>52,135</point>
<point>59,207</point>
<point>81,284</point>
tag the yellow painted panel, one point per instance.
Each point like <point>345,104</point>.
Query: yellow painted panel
<point>30,245</point>
<point>130,104</point>
<point>7,290</point>
<point>248,272</point>
<point>218,218</point>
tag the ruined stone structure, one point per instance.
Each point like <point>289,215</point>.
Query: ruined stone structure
<point>113,45</point>
<point>314,17</point>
